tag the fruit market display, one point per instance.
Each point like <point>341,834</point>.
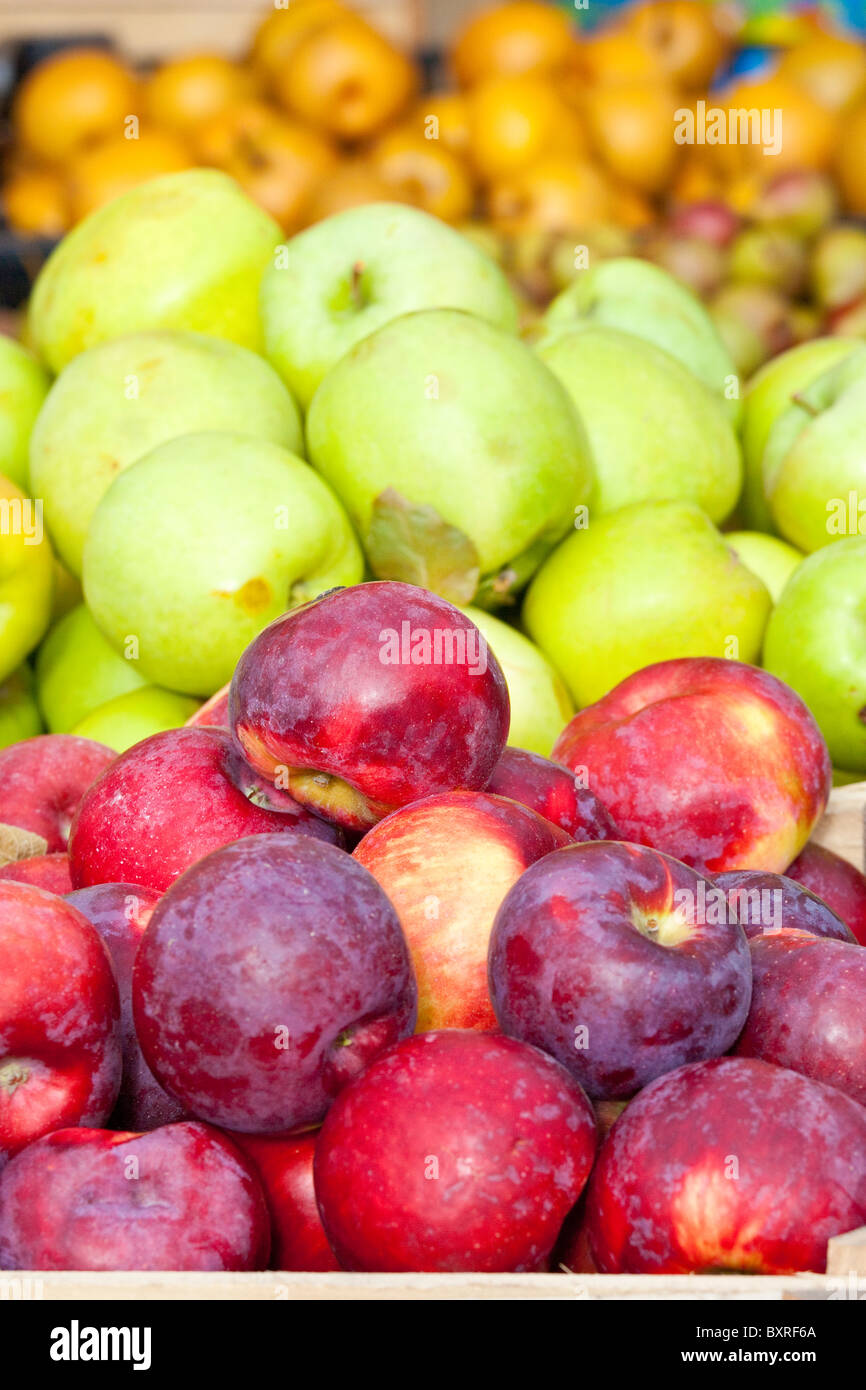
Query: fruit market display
<point>416,714</point>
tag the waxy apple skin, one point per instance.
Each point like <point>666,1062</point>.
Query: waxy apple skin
<point>601,955</point>
<point>266,979</point>
<point>446,863</point>
<point>285,1167</point>
<point>838,883</point>
<point>808,1008</point>
<point>60,1057</point>
<point>715,762</point>
<point>732,1164</point>
<point>454,1151</point>
<point>120,912</point>
<point>43,779</point>
<point>180,1197</point>
<point>770,902</point>
<point>48,871</point>
<point>169,801</point>
<point>553,791</point>
<point>316,701</point>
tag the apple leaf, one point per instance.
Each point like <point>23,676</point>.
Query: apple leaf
<point>17,844</point>
<point>413,543</point>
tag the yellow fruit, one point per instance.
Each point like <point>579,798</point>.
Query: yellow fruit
<point>70,99</point>
<point>515,38</point>
<point>516,121</point>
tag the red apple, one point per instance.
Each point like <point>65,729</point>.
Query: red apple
<point>59,1012</point>
<point>446,863</point>
<point>732,1164</point>
<point>838,883</point>
<point>715,762</point>
<point>180,1197</point>
<point>48,871</point>
<point>267,978</point>
<point>808,1008</point>
<point>554,792</point>
<point>285,1166</point>
<point>768,902</point>
<point>369,698</point>
<point>120,912</point>
<point>169,801</point>
<point>43,779</point>
<point>708,220</point>
<point>213,713</point>
<point>603,955</point>
<point>454,1151</point>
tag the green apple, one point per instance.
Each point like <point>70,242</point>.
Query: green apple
<point>129,718</point>
<point>770,392</point>
<point>26,576</point>
<point>121,399</point>
<point>342,279</point>
<point>540,704</point>
<point>184,251</point>
<point>202,543</point>
<point>646,300</point>
<point>23,387</point>
<point>644,584</point>
<point>456,452</point>
<point>19,712</point>
<point>77,669</point>
<point>771,559</point>
<point>655,430</point>
<point>816,641</point>
<point>814,464</point>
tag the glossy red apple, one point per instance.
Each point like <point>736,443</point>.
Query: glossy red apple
<point>59,1011</point>
<point>732,1164</point>
<point>840,884</point>
<point>48,871</point>
<point>446,863</point>
<point>180,1197</point>
<point>169,801</point>
<point>808,1008</point>
<point>369,698</point>
<point>285,1167</point>
<point>603,955</point>
<point>554,792</point>
<point>454,1151</point>
<point>267,978</point>
<point>715,762</point>
<point>43,779</point>
<point>768,902</point>
<point>120,912</point>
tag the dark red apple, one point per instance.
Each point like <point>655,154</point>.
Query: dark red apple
<point>169,801</point>
<point>48,871</point>
<point>180,1197</point>
<point>267,978</point>
<point>43,779</point>
<point>552,791</point>
<point>840,884</point>
<point>603,955</point>
<point>369,698</point>
<point>454,1151</point>
<point>285,1166</point>
<point>59,1019</point>
<point>808,1008</point>
<point>767,902</point>
<point>732,1164</point>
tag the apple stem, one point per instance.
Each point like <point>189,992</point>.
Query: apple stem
<point>355,288</point>
<point>805,404</point>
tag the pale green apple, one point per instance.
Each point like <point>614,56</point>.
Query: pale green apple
<point>185,251</point>
<point>340,280</point>
<point>121,399</point>
<point>23,387</point>
<point>655,430</point>
<point>769,393</point>
<point>455,450</point>
<point>19,712</point>
<point>643,299</point>
<point>814,465</point>
<point>816,641</point>
<point>77,669</point>
<point>26,577</point>
<point>644,584</point>
<point>771,559</point>
<point>202,543</point>
<point>129,718</point>
<point>540,704</point>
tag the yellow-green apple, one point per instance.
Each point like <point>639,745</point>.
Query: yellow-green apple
<point>464,399</point>
<point>23,386</point>
<point>769,256</point>
<point>42,781</point>
<point>839,266</point>
<point>801,202</point>
<point>19,712</point>
<point>715,762</point>
<point>340,280</point>
<point>770,558</point>
<point>26,576</point>
<point>129,718</point>
<point>838,883</point>
<point>816,641</point>
<point>202,543</point>
<point>554,792</point>
<point>755,321</point>
<point>540,704</point>
<point>121,399</point>
<point>446,863</point>
<point>644,584</point>
<point>77,670</point>
<point>675,439</point>
<point>205,246</point>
